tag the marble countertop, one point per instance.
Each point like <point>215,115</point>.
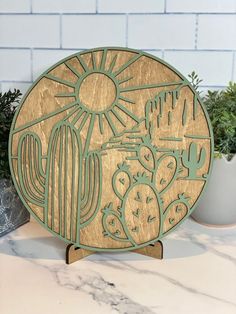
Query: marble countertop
<point>197,275</point>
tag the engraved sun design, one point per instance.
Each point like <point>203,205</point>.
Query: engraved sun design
<point>108,105</point>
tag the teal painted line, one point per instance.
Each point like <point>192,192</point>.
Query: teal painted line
<point>60,181</point>
<point>77,116</point>
<point>194,106</point>
<point>83,121</point>
<point>126,99</point>
<point>127,64</point>
<point>77,224</point>
<point>177,139</point>
<point>169,117</point>
<point>184,114</point>
<point>83,64</point>
<point>31,167</point>
<point>72,182</point>
<point>198,136</point>
<point>52,159</point>
<point>97,188</point>
<point>71,113</point>
<point>125,80</point>
<point>59,80</point>
<point>47,116</point>
<point>133,88</point>
<point>129,113</point>
<point>89,134</point>
<point>66,179</point>
<point>73,94</point>
<point>73,70</point>
<point>94,61</point>
<point>118,117</point>
<point>112,126</point>
<point>39,178</point>
<point>103,60</point>
<point>87,184</point>
<point>87,188</point>
<point>100,123</point>
<point>113,62</point>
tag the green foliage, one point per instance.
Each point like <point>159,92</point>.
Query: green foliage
<point>195,80</point>
<point>8,102</point>
<point>221,107</point>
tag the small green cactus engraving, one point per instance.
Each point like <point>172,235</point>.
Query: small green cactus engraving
<point>192,161</point>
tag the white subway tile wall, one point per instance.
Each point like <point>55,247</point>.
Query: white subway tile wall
<point>191,35</point>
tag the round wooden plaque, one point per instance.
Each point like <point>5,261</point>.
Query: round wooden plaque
<point>110,149</point>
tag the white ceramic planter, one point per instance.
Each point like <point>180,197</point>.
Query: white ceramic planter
<point>218,204</point>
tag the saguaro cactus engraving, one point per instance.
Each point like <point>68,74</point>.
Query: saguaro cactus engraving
<point>69,190</point>
<point>192,161</point>
<point>30,170</point>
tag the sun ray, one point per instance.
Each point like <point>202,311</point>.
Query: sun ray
<point>128,112</point>
<point>100,123</point>
<point>83,64</point>
<point>133,88</point>
<point>113,62</point>
<point>103,60</point>
<point>94,61</point>
<point>78,115</point>
<point>45,117</point>
<point>127,64</point>
<point>66,95</point>
<point>111,124</point>
<point>89,133</point>
<point>127,99</point>
<point>71,113</point>
<point>118,117</point>
<point>83,121</point>
<point>70,67</point>
<point>59,80</point>
<point>125,80</point>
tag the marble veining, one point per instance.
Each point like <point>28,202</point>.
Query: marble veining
<point>197,275</point>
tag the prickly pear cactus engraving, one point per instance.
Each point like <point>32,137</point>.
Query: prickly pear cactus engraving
<point>115,152</point>
<point>142,203</point>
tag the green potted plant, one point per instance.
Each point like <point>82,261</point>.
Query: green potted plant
<point>218,204</point>
<point>12,211</point>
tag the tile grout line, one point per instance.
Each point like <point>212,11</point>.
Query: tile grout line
<point>29,82</point>
<point>31,6</point>
<point>127,30</point>
<point>146,49</point>
<point>196,31</point>
<point>233,67</point>
<point>31,63</point>
<point>118,13</point>
<point>60,30</point>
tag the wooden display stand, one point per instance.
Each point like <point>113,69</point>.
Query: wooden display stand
<point>74,254</point>
<point>110,150</point>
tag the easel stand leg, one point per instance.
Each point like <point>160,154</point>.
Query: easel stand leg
<point>74,254</point>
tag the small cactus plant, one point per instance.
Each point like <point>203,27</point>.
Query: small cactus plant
<point>192,161</point>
